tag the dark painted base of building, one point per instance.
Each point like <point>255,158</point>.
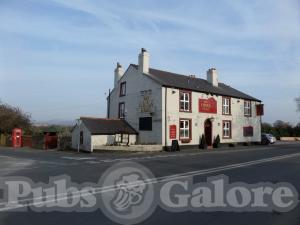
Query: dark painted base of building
<point>221,145</point>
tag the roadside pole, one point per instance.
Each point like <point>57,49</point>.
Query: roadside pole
<point>78,142</point>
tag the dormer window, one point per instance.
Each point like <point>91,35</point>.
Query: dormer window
<point>123,89</point>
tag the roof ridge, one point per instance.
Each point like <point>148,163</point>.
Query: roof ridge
<point>97,118</point>
<point>173,73</point>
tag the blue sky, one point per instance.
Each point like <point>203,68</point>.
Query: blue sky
<point>57,56</point>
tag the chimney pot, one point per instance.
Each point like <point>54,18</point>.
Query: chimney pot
<point>144,61</point>
<point>118,73</point>
<point>212,77</point>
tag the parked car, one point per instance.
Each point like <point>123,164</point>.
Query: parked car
<point>267,139</point>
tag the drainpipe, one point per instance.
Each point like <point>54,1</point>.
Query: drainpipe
<point>108,104</point>
<point>166,117</point>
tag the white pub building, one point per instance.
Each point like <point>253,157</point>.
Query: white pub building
<point>164,106</point>
<point>154,107</point>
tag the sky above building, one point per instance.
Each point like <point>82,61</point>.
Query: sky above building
<point>57,56</point>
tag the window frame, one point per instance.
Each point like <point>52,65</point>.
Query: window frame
<point>248,131</point>
<point>121,116</point>
<point>249,108</point>
<point>229,106</point>
<point>144,129</point>
<point>122,89</point>
<point>185,93</point>
<point>189,128</point>
<point>230,129</point>
<point>81,137</point>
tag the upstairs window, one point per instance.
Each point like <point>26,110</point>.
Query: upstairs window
<point>226,129</point>
<point>247,108</point>
<point>226,106</point>
<point>185,101</point>
<point>122,110</point>
<point>123,89</point>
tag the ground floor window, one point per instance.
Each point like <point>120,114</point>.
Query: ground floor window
<point>122,138</point>
<point>226,129</point>
<point>145,123</point>
<point>81,137</point>
<point>248,131</point>
<point>185,129</point>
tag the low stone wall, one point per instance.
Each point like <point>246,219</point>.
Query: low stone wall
<point>131,148</point>
<point>290,139</point>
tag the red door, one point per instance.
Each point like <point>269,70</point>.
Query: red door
<point>208,132</point>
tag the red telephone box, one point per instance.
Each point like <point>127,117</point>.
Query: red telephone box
<point>16,138</point>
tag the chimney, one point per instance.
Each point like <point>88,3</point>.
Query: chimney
<point>212,77</point>
<point>118,73</point>
<point>144,61</point>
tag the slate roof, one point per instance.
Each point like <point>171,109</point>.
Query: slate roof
<point>107,126</point>
<point>175,80</point>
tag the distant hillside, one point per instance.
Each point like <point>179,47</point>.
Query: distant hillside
<point>54,122</point>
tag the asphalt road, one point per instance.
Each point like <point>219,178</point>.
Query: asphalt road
<point>277,163</point>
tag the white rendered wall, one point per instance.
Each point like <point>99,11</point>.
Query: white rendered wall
<point>238,120</point>
<point>86,138</point>
<point>135,83</point>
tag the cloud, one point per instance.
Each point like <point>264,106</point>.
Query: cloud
<point>252,43</point>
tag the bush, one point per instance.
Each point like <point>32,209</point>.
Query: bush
<point>217,141</point>
<point>203,144</point>
<point>64,142</point>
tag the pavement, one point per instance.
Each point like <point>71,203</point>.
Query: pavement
<point>274,163</point>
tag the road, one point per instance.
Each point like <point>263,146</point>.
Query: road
<point>277,163</point>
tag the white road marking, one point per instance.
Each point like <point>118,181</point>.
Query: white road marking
<point>78,158</point>
<point>167,156</point>
<point>162,179</point>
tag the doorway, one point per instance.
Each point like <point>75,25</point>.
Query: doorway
<point>208,132</point>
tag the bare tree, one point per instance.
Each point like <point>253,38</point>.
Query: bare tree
<point>298,103</point>
<point>13,117</point>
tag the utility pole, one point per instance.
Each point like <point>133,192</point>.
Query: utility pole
<point>78,142</point>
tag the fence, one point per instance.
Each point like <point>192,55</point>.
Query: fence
<point>35,141</point>
<point>5,140</point>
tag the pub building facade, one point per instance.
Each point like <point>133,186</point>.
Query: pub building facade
<point>164,106</point>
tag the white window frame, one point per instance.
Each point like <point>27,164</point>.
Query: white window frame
<point>227,126</point>
<point>226,106</point>
<point>185,101</point>
<point>247,108</point>
<point>185,128</point>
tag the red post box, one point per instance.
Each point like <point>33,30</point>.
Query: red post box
<point>16,138</point>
